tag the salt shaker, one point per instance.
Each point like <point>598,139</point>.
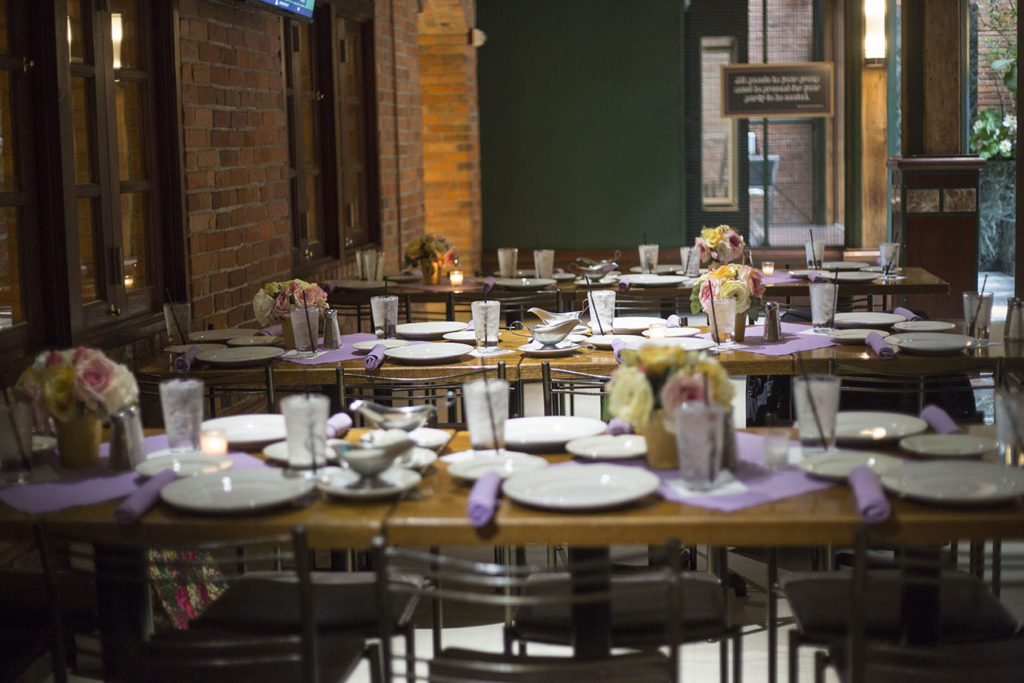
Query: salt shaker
<point>772,325</point>
<point>1014,328</point>
<point>332,335</point>
<point>127,443</point>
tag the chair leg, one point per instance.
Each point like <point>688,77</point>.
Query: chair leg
<point>737,658</point>
<point>821,662</point>
<point>794,656</point>
<point>410,646</point>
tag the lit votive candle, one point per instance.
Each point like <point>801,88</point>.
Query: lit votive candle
<point>767,267</point>
<point>213,442</point>
<point>657,330</point>
<point>455,277</point>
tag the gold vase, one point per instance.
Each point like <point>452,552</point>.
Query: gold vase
<point>739,329</point>
<point>431,271</point>
<point>78,440</point>
<point>288,332</point>
<point>661,445</point>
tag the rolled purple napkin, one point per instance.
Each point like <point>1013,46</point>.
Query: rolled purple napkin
<point>483,499</point>
<point>144,498</point>
<point>183,363</point>
<point>878,345</point>
<point>375,357</point>
<point>815,276</point>
<point>617,346</point>
<point>469,327</point>
<point>906,313</point>
<point>558,270</point>
<point>623,284</point>
<point>608,267</point>
<point>867,491</point>
<point>617,426</point>
<point>674,321</point>
<point>939,420</point>
<point>488,284</point>
<point>272,330</point>
<point>337,425</point>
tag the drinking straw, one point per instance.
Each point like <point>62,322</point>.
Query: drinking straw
<point>14,426</point>
<point>590,299</point>
<point>715,334</point>
<point>810,399</point>
<point>977,309</point>
<point>174,317</point>
<point>309,329</point>
<point>835,299</point>
<point>813,261</point>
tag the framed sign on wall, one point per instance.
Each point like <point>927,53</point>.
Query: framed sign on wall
<point>801,89</point>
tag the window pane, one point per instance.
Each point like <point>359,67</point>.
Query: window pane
<point>718,135</point>
<point>305,57</point>
<point>313,208</point>
<point>134,235</point>
<point>81,119</point>
<point>87,247</point>
<point>353,58</point>
<point>309,146</point>
<point>10,289</point>
<point>8,179</point>
<point>124,33</point>
<point>130,139</point>
<point>3,27</point>
<point>76,31</point>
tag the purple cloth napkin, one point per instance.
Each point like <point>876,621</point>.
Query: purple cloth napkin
<point>483,499</point>
<point>617,426</point>
<point>140,502</point>
<point>608,267</point>
<point>337,425</point>
<point>939,420</point>
<point>906,313</point>
<point>183,363</point>
<point>558,270</point>
<point>272,330</point>
<point>867,490</point>
<point>815,276</point>
<point>878,345</point>
<point>674,321</point>
<point>617,346</point>
<point>623,284</point>
<point>488,284</point>
<point>374,358</point>
<point>469,327</point>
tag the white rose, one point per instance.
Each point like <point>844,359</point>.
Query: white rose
<point>1010,121</point>
<point>978,125</point>
<point>1005,146</point>
<point>263,306</point>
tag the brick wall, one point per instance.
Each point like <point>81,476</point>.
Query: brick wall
<point>992,93</point>
<point>236,149</point>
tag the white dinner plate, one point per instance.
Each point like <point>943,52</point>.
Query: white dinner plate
<point>41,442</point>
<point>339,482</point>
<point>237,491</point>
<point>923,326</point>
<point>465,336</point>
<point>203,346</point>
<point>853,276</point>
<point>278,452</point>
<point>240,355</point>
<point>688,343</point>
<point>650,280</point>
<point>662,269</point>
<point>843,265</point>
<point>800,273</point>
<point>563,277</point>
<point>604,341</point>
<point>931,342</point>
<point>854,335</point>
<point>676,332</point>
<point>549,432</point>
<point>428,437</point>
<point>249,431</point>
<point>956,482</point>
<point>562,348</point>
<point>429,353</point>
<point>428,330</point>
<point>583,487</point>
<point>505,463</point>
<point>186,464</point>
<point>837,465</point>
<point>370,343</point>
<point>949,445</point>
<point>256,340</point>
<point>868,319</point>
<point>608,446</point>
<point>867,427</point>
<point>218,335</point>
<point>359,284</point>
<point>632,324</point>
<point>523,282</point>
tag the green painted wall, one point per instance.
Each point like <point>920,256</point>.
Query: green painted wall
<point>581,123</point>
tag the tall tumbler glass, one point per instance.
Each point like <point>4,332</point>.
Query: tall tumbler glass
<point>306,328</point>
<point>977,314</point>
<point>602,311</point>
<point>181,401</point>
<point>823,305</point>
<point>384,311</point>
<point>699,439</point>
<point>486,317</point>
<point>543,262</point>
<point>815,253</point>
<point>889,257</point>
<point>817,403</point>
<point>722,320</point>
<point>648,258</point>
<point>305,425</point>
<point>508,262</point>
<point>486,402</point>
<point>1010,426</point>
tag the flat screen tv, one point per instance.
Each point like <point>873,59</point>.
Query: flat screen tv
<point>293,9</point>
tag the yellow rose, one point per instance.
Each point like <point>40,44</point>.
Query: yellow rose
<point>735,289</point>
<point>58,392</point>
<point>630,397</point>
<point>657,358</point>
<point>720,387</point>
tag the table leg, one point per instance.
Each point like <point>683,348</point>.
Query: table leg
<point>591,622</point>
<point>125,608</point>
<point>920,599</point>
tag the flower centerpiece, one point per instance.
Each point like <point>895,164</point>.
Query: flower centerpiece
<point>731,281</point>
<point>433,254</point>
<point>994,134</point>
<point>273,304</point>
<point>721,244</point>
<point>652,382</point>
<point>79,388</point>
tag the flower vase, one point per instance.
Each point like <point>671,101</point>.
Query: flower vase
<point>431,271</point>
<point>288,332</point>
<point>739,329</point>
<point>78,440</point>
<point>661,445</point>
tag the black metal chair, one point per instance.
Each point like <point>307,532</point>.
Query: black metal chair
<point>560,389</point>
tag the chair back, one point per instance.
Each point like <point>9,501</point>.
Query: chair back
<point>562,388</point>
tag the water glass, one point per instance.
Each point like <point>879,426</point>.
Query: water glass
<point>305,426</point>
<point>776,448</point>
<point>648,258</point>
<point>977,314</point>
<point>508,262</point>
<point>306,328</point>
<point>486,402</point>
<point>177,320</point>
<point>889,257</point>
<point>181,401</point>
<point>689,258</point>
<point>722,319</point>
<point>817,402</point>
<point>815,252</point>
<point>384,311</point>
<point>823,305</point>
<point>15,443</point>
<point>699,439</point>
<point>602,311</point>
<point>486,316</point>
<point>543,262</point>
<point>768,267</point>
<point>1009,411</point>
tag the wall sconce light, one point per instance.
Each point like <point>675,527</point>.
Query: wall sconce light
<point>116,35</point>
<point>874,32</point>
<point>477,38</point>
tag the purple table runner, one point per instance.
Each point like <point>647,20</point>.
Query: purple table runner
<point>344,352</point>
<point>792,340</point>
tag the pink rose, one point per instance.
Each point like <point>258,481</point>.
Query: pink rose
<point>708,291</point>
<point>55,358</point>
<point>753,279</point>
<point>92,375</point>
<point>679,389</point>
<point>282,306</point>
<point>703,251</point>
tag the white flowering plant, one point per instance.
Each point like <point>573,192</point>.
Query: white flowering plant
<point>994,134</point>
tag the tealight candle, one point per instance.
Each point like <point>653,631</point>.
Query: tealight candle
<point>767,267</point>
<point>213,442</point>
<point>455,277</point>
<point>657,330</point>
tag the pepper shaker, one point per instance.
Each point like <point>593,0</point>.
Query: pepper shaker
<point>1014,328</point>
<point>772,325</point>
<point>127,443</point>
<point>332,335</point>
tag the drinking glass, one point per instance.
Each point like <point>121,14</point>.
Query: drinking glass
<point>722,320</point>
<point>648,258</point>
<point>689,257</point>
<point>889,253</point>
<point>305,425</point>
<point>181,401</point>
<point>486,402</point>
<point>815,252</point>
<point>823,305</point>
<point>768,267</point>
<point>817,402</point>
<point>384,311</point>
<point>306,328</point>
<point>15,443</point>
<point>1010,426</point>
<point>977,314</point>
<point>699,438</point>
<point>543,262</point>
<point>177,320</point>
<point>486,316</point>
<point>602,311</point>
<point>508,260</point>
<point>776,448</point>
